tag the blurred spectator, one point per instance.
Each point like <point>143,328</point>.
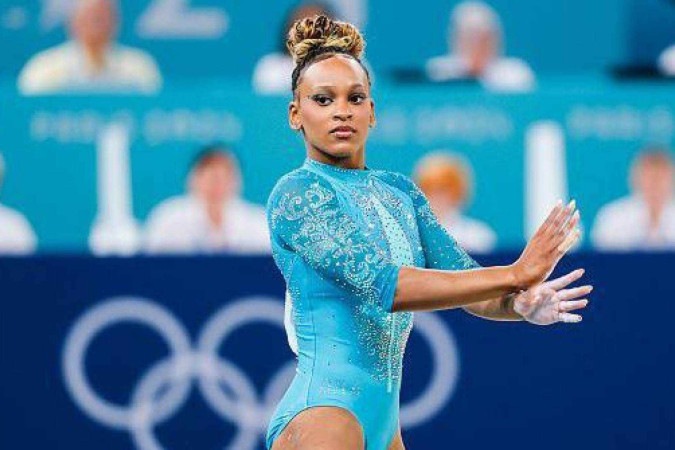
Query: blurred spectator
<point>91,60</point>
<point>475,46</point>
<point>211,217</point>
<point>667,61</point>
<point>272,73</point>
<point>16,235</point>
<point>645,220</point>
<point>447,183</point>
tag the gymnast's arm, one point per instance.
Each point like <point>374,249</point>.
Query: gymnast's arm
<point>500,308</point>
<point>307,220</point>
<point>487,292</point>
<point>452,279</point>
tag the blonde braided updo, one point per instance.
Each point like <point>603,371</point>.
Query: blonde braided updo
<point>314,39</point>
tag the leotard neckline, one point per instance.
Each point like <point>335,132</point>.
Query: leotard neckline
<point>339,172</point>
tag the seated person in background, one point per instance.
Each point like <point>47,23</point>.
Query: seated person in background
<point>667,61</point>
<point>91,61</point>
<point>272,73</point>
<point>211,217</point>
<point>475,47</point>
<point>447,183</point>
<point>645,220</point>
<point>16,235</point>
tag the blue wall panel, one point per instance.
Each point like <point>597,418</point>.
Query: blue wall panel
<point>606,383</point>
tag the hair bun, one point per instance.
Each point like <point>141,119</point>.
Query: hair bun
<point>312,34</point>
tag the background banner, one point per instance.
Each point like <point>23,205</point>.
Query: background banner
<point>154,353</point>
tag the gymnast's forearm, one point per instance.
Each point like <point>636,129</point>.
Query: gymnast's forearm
<point>500,309</point>
<point>429,289</point>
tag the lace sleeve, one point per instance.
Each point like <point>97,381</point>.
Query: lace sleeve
<point>306,218</point>
<point>441,250</point>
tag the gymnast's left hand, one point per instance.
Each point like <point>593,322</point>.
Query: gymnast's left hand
<point>551,301</point>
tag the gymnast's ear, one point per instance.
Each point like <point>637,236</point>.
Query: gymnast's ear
<point>294,115</point>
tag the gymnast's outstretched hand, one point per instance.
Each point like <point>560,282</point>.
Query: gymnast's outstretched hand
<point>551,302</point>
<point>552,240</point>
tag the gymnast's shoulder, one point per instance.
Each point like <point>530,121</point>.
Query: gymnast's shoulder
<point>398,180</point>
<point>296,183</point>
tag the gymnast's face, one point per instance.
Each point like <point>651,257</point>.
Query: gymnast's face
<point>333,109</point>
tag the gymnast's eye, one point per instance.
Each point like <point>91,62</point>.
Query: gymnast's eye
<point>322,100</point>
<point>357,99</point>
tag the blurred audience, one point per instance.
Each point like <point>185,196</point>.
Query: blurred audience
<point>475,47</point>
<point>16,235</point>
<point>212,217</point>
<point>91,61</point>
<point>644,220</point>
<point>272,73</point>
<point>667,61</point>
<point>447,183</point>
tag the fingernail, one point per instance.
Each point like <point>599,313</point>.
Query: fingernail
<point>572,204</point>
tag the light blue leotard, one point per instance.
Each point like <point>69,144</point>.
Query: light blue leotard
<point>339,237</point>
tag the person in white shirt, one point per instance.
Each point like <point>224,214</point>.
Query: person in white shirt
<point>212,217</point>
<point>475,46</point>
<point>16,235</point>
<point>272,73</point>
<point>644,220</point>
<point>447,183</point>
<point>91,61</point>
<point>666,61</point>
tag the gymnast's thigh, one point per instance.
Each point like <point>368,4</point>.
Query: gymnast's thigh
<point>322,428</point>
<point>397,442</point>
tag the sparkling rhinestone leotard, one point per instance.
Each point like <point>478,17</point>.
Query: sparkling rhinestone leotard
<point>339,237</point>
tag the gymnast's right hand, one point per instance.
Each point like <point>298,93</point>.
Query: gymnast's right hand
<point>552,240</point>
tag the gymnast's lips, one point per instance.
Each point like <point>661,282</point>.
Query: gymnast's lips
<point>343,131</point>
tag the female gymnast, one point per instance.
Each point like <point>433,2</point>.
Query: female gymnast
<point>360,249</point>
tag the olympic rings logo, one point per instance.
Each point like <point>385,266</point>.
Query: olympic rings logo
<point>165,387</point>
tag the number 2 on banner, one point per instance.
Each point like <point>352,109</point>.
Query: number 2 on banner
<point>177,20</point>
